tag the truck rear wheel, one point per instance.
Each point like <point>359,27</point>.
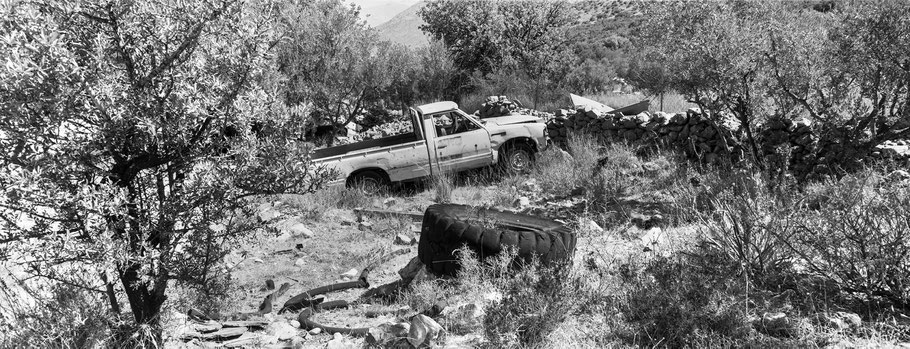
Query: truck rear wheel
<point>369,182</point>
<point>517,158</point>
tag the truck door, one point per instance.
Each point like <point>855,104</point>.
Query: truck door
<point>461,143</point>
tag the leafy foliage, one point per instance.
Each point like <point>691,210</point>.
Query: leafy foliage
<point>133,133</point>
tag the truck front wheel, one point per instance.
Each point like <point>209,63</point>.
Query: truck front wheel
<point>369,182</point>
<point>517,158</point>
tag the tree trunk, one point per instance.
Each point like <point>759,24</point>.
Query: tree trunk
<point>145,301</point>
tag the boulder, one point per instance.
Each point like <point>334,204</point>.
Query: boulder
<point>424,331</point>
<point>298,229</point>
<point>339,342</point>
<point>282,330</point>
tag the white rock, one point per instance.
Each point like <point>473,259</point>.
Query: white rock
<point>404,239</point>
<point>424,330</point>
<point>298,229</point>
<point>282,330</point>
<point>258,260</point>
<point>364,226</point>
<point>300,262</point>
<point>315,331</point>
<point>351,274</point>
<point>590,225</point>
<point>218,228</point>
<point>294,323</point>
<point>521,202</point>
<point>653,237</point>
<point>339,342</point>
<point>268,214</point>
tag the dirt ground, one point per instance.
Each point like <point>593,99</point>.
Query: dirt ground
<point>338,244</point>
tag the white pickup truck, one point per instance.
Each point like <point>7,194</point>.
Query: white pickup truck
<point>444,139</point>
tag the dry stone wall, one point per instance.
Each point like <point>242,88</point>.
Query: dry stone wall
<point>795,145</point>
<point>692,132</point>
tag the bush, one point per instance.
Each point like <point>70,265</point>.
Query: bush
<point>675,302</point>
<point>749,226</point>
<point>535,301</point>
<point>69,318</point>
<point>856,233</point>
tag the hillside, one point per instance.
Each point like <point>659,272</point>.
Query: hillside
<point>378,12</point>
<point>404,28</point>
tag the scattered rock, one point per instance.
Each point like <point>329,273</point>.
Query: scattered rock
<point>521,202</point>
<point>775,324</point>
<point>208,326</point>
<point>590,225</point>
<point>852,319</point>
<point>351,274</point>
<point>899,176</point>
<point>652,238</point>
<point>530,186</point>
<point>405,239</point>
<point>297,342</point>
<point>411,269</point>
<point>645,221</point>
<point>423,331</point>
<point>282,330</point>
<point>339,342</point>
<point>267,213</point>
<point>315,331</point>
<point>463,318</point>
<point>298,229</point>
<point>384,335</point>
<point>390,202</point>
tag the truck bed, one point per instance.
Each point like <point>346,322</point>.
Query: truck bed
<point>373,143</point>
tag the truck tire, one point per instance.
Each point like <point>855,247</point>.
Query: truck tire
<point>370,182</point>
<point>446,228</point>
<point>517,158</point>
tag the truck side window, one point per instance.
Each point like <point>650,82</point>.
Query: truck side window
<point>452,123</point>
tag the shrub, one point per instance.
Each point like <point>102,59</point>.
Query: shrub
<point>855,233</point>
<point>560,174</point>
<point>748,226</point>
<point>674,302</point>
<point>535,301</point>
<point>443,184</point>
<point>69,318</point>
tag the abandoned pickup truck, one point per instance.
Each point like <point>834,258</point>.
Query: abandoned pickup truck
<point>443,139</point>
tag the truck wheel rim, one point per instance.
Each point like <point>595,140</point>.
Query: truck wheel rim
<point>369,186</point>
<point>519,161</point>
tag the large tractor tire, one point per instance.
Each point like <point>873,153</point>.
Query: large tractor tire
<point>447,228</point>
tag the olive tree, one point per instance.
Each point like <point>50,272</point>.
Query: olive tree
<point>133,135</point>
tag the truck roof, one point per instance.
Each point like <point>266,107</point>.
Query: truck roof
<point>433,108</point>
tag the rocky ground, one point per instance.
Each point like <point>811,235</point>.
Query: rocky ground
<point>323,239</point>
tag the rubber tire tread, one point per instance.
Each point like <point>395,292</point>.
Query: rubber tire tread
<point>448,227</point>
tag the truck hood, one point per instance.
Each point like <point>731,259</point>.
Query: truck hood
<point>513,119</point>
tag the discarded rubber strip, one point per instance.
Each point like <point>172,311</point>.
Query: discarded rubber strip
<point>306,323</point>
<point>305,300</point>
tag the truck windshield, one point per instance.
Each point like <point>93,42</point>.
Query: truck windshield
<point>450,123</point>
